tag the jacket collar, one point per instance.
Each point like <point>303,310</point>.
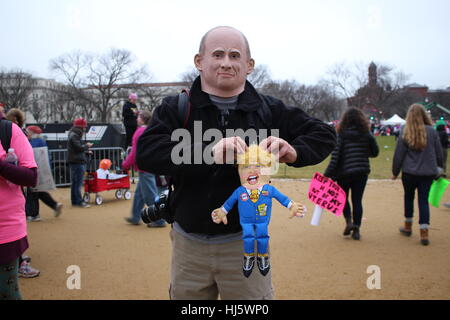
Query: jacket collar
<point>77,130</point>
<point>249,100</point>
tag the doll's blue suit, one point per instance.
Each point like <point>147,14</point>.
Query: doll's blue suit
<point>254,215</point>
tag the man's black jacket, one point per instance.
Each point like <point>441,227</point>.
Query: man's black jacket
<point>201,188</point>
<point>129,117</point>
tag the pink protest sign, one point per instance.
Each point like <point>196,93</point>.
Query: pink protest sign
<point>327,194</point>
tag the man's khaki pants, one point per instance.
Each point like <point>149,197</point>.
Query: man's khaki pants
<point>206,271</point>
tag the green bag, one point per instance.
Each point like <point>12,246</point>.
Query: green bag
<point>437,191</point>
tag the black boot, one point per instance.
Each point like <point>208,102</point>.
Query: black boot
<point>348,227</point>
<point>355,234</point>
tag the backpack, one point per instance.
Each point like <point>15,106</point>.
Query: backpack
<point>5,133</point>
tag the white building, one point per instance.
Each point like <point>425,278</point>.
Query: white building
<point>51,101</point>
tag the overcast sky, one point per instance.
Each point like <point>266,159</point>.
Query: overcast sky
<point>296,39</point>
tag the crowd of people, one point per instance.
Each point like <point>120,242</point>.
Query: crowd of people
<point>26,182</point>
<point>221,98</point>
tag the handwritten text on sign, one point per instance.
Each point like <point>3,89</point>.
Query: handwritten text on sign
<point>327,194</point>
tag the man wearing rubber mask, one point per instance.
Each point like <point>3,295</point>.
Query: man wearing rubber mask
<point>207,257</point>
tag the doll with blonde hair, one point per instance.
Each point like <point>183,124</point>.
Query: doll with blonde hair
<point>254,198</point>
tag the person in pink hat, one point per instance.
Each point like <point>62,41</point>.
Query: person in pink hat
<point>129,114</point>
<point>2,110</point>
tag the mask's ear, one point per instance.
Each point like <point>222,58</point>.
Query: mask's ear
<point>251,66</point>
<point>197,62</point>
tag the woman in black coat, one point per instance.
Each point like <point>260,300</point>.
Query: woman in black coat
<point>350,166</point>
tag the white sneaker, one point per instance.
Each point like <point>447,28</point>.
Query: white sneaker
<point>34,219</point>
<point>58,210</point>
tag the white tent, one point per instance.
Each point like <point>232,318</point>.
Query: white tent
<point>392,121</point>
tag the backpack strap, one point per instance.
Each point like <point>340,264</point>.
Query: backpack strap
<point>5,133</point>
<point>184,107</point>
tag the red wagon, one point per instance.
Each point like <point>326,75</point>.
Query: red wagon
<point>94,185</point>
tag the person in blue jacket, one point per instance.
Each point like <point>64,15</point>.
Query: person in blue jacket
<point>254,198</point>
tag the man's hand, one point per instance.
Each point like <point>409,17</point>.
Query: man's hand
<point>226,150</point>
<point>297,210</point>
<point>218,216</point>
<point>280,148</point>
<point>394,177</point>
<point>88,144</point>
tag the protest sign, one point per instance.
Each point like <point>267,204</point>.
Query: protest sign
<point>326,194</point>
<point>45,179</point>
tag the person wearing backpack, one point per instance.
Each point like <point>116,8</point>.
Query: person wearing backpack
<point>13,226</point>
<point>207,257</point>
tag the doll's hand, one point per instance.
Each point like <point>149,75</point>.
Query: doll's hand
<point>218,216</point>
<point>297,210</point>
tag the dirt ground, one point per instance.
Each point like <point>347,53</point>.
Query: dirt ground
<point>121,261</point>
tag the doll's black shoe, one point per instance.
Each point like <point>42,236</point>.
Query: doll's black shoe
<point>247,268</point>
<point>263,264</point>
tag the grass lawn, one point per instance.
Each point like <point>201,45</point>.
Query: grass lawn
<point>381,166</point>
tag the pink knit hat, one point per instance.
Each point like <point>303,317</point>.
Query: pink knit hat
<point>133,96</point>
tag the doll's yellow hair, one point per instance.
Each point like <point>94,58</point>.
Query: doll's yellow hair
<point>256,155</point>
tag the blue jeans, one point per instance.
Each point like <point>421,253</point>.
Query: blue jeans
<point>9,281</point>
<point>422,184</point>
<point>145,194</point>
<point>77,175</point>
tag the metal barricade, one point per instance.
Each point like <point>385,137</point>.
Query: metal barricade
<point>60,166</point>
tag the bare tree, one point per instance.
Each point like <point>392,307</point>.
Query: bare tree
<point>344,80</point>
<point>97,79</point>
<point>260,76</point>
<point>378,93</point>
<point>318,100</point>
<point>189,75</point>
<point>153,95</point>
<point>72,68</point>
<point>282,90</point>
<point>15,88</point>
